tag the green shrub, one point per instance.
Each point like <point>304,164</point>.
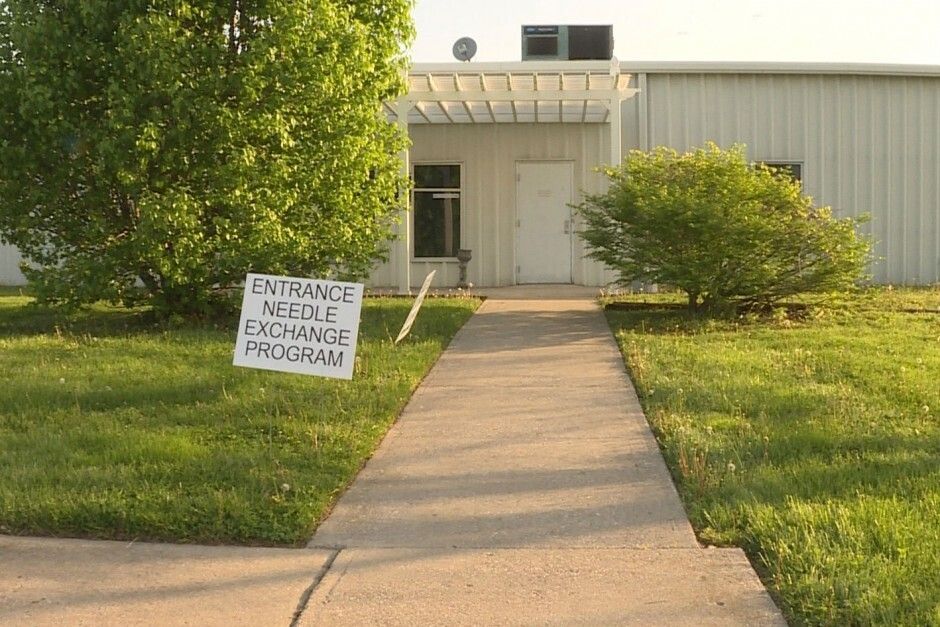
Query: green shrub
<point>719,228</point>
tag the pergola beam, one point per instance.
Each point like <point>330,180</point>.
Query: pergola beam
<point>421,112</point>
<point>466,107</point>
<point>469,113</point>
<point>535,90</point>
<point>440,105</point>
<point>489,103</point>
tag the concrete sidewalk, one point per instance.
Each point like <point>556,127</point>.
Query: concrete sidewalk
<point>522,485</point>
<point>48,581</point>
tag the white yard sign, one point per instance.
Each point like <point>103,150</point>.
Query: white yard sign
<point>306,326</point>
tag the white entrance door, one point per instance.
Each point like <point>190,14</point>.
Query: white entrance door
<point>543,222</point>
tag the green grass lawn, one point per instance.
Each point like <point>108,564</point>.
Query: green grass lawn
<point>814,445</point>
<point>113,426</point>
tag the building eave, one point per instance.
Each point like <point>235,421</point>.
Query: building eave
<point>776,67</point>
<point>688,67</point>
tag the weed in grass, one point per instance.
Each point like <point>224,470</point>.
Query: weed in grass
<point>693,465</point>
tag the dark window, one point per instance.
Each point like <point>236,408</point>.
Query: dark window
<point>437,210</point>
<point>437,177</point>
<point>794,170</point>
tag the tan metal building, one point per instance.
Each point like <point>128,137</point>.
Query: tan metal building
<point>9,266</point>
<point>501,150</point>
<point>862,138</point>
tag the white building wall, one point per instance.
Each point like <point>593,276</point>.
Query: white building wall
<point>10,266</point>
<point>488,153</point>
<point>868,143</point>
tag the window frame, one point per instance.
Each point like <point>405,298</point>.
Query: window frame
<point>411,216</point>
<point>770,163</point>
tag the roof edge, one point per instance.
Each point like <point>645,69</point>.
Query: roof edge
<point>684,67</point>
<point>777,67</point>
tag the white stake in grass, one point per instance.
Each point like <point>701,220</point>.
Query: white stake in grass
<point>410,320</point>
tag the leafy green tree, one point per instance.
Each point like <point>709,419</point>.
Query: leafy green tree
<point>720,229</point>
<point>177,144</point>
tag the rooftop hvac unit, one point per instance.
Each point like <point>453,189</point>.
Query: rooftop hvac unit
<point>568,43</point>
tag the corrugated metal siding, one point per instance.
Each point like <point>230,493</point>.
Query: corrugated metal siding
<point>869,144</point>
<point>10,266</point>
<point>488,153</point>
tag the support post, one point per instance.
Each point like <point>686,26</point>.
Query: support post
<point>403,244</point>
<point>615,138</point>
<point>643,111</point>
<point>616,97</point>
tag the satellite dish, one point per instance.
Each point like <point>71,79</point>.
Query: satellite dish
<point>464,49</point>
